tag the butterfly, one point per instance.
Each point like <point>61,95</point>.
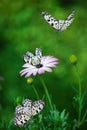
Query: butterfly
<point>28,109</point>
<point>33,59</point>
<point>59,25</point>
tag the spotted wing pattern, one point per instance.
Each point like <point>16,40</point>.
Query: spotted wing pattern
<point>37,106</point>
<point>28,56</point>
<point>68,21</point>
<point>59,25</point>
<point>33,59</point>
<point>25,111</point>
<point>39,52</point>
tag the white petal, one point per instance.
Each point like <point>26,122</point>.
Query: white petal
<point>47,69</point>
<point>52,64</point>
<point>45,58</point>
<point>28,74</point>
<point>28,65</point>
<point>41,71</point>
<point>29,71</point>
<point>35,71</point>
<point>42,59</point>
<point>24,70</point>
<point>49,59</point>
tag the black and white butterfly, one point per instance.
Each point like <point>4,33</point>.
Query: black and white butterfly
<point>28,109</point>
<point>34,59</point>
<point>59,25</point>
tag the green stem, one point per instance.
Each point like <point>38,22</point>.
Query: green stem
<point>47,93</point>
<point>79,81</point>
<point>79,97</point>
<point>35,91</point>
<point>84,116</point>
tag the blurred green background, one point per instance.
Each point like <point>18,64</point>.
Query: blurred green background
<point>23,28</point>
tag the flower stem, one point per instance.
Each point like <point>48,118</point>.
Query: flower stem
<point>47,93</point>
<point>79,97</point>
<point>35,91</point>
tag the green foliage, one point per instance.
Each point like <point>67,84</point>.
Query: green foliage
<point>57,120</point>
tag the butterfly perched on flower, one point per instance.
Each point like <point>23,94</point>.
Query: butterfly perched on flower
<point>28,109</point>
<point>32,59</point>
<point>58,24</point>
<point>37,64</point>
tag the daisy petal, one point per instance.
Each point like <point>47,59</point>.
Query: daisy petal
<point>52,64</point>
<point>28,74</point>
<point>35,72</point>
<point>47,69</point>
<point>27,65</point>
<point>50,60</point>
<point>24,72</point>
<point>41,71</point>
<point>42,60</point>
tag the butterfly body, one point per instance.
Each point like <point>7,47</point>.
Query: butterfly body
<point>57,24</point>
<point>28,109</point>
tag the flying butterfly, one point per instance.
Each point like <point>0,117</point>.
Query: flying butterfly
<point>28,109</point>
<point>59,25</point>
<point>33,59</point>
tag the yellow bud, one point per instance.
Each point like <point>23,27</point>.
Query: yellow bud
<point>73,59</point>
<point>29,80</point>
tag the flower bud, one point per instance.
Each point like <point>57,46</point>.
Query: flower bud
<point>73,59</point>
<point>29,80</point>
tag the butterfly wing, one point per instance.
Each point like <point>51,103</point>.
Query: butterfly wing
<point>20,120</point>
<point>37,106</point>
<point>33,60</point>
<point>68,21</point>
<point>71,15</point>
<point>19,110</point>
<point>28,56</point>
<point>39,52</point>
<point>66,25</point>
<point>26,103</point>
<point>26,106</point>
<point>55,23</point>
<point>36,60</point>
<point>23,113</point>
